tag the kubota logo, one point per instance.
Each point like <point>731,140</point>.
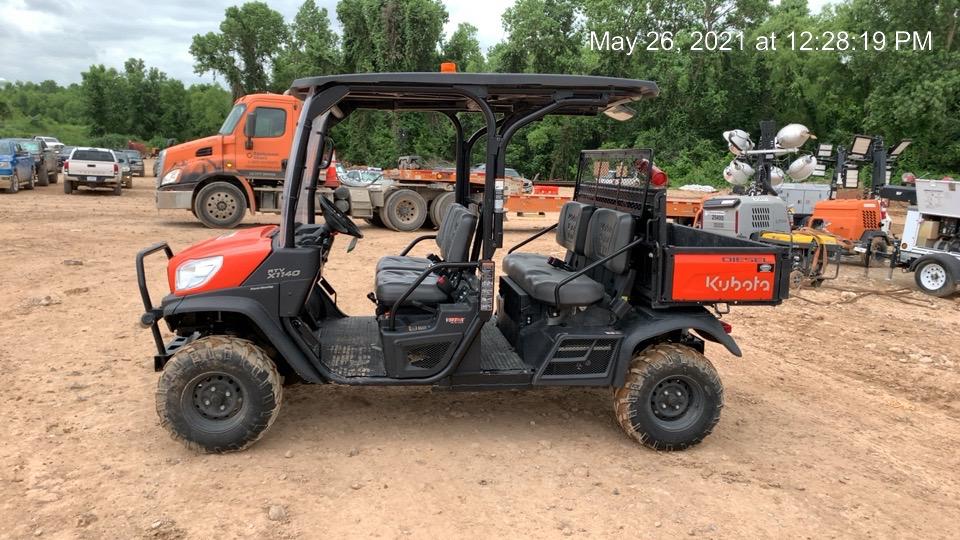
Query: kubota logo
<point>733,284</point>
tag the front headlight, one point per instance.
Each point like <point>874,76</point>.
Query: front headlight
<point>195,273</point>
<point>171,177</point>
<point>126,169</point>
<point>4,164</point>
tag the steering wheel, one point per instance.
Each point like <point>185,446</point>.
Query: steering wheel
<point>337,220</point>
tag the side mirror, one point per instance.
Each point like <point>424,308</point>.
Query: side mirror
<point>250,128</point>
<point>326,152</point>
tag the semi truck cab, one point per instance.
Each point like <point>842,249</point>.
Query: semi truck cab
<point>220,177</point>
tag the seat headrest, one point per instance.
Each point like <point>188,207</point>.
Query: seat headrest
<point>609,231</point>
<point>572,226</point>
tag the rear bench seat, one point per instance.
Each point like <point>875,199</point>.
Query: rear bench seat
<point>589,235</point>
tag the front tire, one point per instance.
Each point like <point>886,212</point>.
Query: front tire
<point>671,398</point>
<point>935,278</point>
<point>219,394</point>
<point>14,183</point>
<point>220,205</point>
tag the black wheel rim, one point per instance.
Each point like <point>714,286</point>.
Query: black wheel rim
<point>676,402</point>
<point>214,402</point>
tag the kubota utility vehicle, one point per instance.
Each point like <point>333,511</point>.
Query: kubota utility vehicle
<point>624,309</point>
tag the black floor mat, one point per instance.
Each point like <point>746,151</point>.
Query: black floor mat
<point>496,352</point>
<point>351,347</point>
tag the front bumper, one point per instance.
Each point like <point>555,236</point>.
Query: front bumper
<point>6,181</point>
<point>174,200</point>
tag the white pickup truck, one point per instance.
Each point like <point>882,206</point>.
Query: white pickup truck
<point>92,168</point>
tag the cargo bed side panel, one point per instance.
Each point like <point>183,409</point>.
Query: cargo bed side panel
<point>727,277</point>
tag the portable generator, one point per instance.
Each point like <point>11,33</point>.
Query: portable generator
<point>745,216</point>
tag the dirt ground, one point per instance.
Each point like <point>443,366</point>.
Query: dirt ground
<point>842,419</point>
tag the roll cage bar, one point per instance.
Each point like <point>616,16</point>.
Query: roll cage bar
<point>518,100</point>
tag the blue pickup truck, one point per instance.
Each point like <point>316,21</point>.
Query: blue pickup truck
<point>16,166</point>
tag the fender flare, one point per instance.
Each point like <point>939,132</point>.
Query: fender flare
<point>651,325</point>
<point>952,263</point>
<point>268,325</point>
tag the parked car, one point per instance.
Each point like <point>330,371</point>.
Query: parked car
<point>45,160</point>
<point>92,168</point>
<point>52,142</point>
<point>361,178</point>
<point>16,166</point>
<point>135,158</point>
<point>63,154</point>
<point>125,170</point>
<point>508,172</point>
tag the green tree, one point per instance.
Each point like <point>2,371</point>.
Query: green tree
<point>245,49</point>
<point>312,47</point>
<point>463,48</point>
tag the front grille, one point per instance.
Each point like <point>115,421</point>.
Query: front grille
<point>581,356</point>
<point>427,356</point>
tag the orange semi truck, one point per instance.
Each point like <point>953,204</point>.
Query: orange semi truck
<point>220,177</point>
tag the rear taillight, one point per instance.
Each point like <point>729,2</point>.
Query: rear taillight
<point>727,327</point>
<point>66,166</point>
<point>116,168</point>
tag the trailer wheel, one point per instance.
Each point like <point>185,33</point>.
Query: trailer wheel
<point>439,206</point>
<point>43,177</point>
<point>220,205</point>
<point>219,394</point>
<point>405,210</point>
<point>934,278</point>
<point>67,186</point>
<point>671,398</point>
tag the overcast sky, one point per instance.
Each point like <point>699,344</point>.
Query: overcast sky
<point>58,39</point>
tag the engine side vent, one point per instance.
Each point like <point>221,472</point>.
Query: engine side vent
<point>760,217</point>
<point>204,152</point>
<point>581,357</point>
<point>870,219</point>
<point>428,355</point>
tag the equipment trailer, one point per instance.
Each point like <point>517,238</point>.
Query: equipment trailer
<point>625,309</point>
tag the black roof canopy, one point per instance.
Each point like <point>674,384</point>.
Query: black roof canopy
<point>503,92</point>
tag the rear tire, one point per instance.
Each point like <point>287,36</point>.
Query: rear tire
<point>439,206</point>
<point>118,188</point>
<point>43,176</point>
<point>52,178</point>
<point>671,398</point>
<point>31,182</point>
<point>220,205</point>
<point>406,210</point>
<point>219,394</point>
<point>67,186</point>
<point>935,278</point>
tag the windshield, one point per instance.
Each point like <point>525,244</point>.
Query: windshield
<point>66,150</point>
<point>133,154</point>
<point>30,146</point>
<point>231,122</point>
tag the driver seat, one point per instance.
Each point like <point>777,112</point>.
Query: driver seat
<point>396,273</point>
